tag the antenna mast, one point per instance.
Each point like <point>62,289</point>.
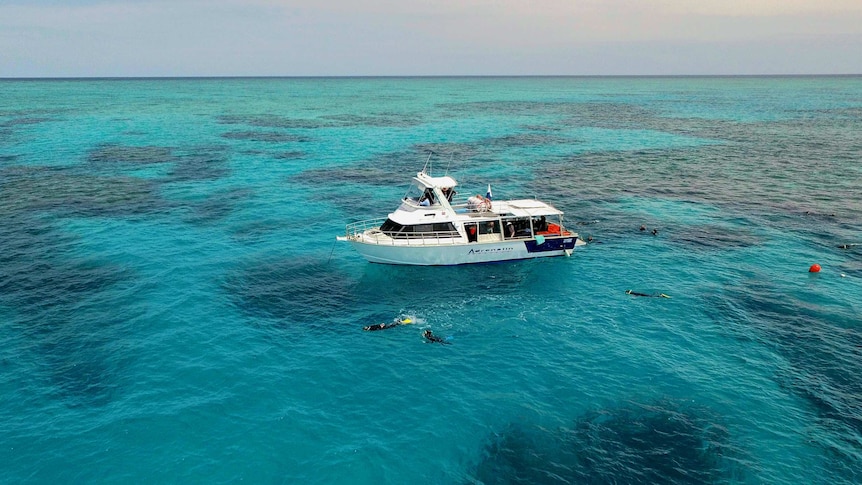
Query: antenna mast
<point>427,161</point>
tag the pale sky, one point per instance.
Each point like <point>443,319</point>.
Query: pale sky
<point>56,38</point>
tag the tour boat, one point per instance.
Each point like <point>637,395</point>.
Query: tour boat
<point>432,227</point>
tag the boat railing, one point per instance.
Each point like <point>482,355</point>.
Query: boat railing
<point>356,228</point>
<point>369,232</point>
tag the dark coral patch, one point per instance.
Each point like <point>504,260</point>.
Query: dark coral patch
<point>510,108</point>
<point>712,237</point>
<point>58,301</point>
<point>292,155</point>
<point>657,443</point>
<point>55,301</point>
<point>25,120</point>
<point>218,206</point>
<point>265,136</point>
<point>66,191</point>
<point>527,139</point>
<point>33,277</point>
<point>332,121</point>
<point>662,442</point>
<point>113,153</point>
<point>376,119</point>
<point>274,121</point>
<point>287,292</point>
<point>205,163</point>
<point>822,345</point>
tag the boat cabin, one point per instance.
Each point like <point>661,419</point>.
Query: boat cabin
<point>429,211</point>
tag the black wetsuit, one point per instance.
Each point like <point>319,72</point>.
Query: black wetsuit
<point>433,338</point>
<point>634,293</point>
<point>379,326</point>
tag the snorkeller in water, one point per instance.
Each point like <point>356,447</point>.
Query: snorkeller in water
<point>384,326</point>
<point>433,338</point>
<point>634,293</point>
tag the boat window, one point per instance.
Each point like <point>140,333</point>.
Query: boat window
<point>393,229</point>
<point>420,228</point>
<point>444,227</point>
<point>519,225</point>
<point>390,227</point>
<point>489,227</point>
<point>429,228</point>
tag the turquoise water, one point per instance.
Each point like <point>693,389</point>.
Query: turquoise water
<point>173,307</point>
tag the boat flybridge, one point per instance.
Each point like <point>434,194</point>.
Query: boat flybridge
<point>432,227</point>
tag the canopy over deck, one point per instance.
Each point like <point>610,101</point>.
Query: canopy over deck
<point>525,208</point>
<point>430,182</point>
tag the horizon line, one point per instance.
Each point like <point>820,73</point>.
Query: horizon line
<point>421,76</point>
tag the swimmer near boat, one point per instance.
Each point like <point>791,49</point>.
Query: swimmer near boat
<point>656,295</point>
<point>429,336</point>
<point>384,326</point>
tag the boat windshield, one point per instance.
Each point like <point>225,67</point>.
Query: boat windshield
<point>420,195</point>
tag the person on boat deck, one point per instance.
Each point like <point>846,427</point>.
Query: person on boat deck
<point>476,202</point>
<point>448,193</point>
<point>471,232</point>
<point>490,228</point>
<point>427,198</point>
<point>510,229</point>
<point>542,225</point>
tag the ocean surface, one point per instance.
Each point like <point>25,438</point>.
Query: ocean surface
<point>174,307</point>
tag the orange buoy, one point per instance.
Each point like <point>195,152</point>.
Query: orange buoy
<point>815,268</point>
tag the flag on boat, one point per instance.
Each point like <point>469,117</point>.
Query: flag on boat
<point>488,196</point>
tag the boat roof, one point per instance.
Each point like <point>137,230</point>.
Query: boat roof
<point>525,208</point>
<point>431,182</point>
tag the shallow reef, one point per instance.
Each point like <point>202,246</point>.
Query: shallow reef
<point>44,287</point>
<point>74,192</point>
<point>822,347</point>
<point>659,442</point>
<point>291,291</point>
<point>265,136</point>
<point>114,153</point>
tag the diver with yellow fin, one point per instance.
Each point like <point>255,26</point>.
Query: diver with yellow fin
<point>384,326</point>
<point>634,293</point>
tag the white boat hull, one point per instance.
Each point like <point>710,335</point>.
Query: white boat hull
<point>464,253</point>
